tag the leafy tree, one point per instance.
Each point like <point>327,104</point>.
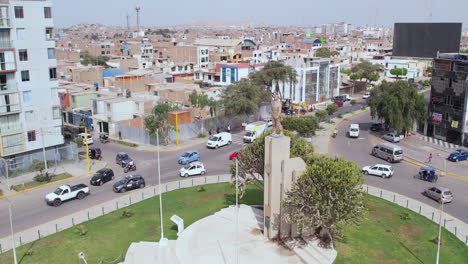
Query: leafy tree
<point>321,114</point>
<point>429,69</point>
<point>399,72</point>
<point>200,101</point>
<point>87,59</point>
<point>328,194</point>
<point>346,71</point>
<point>304,125</point>
<point>248,97</point>
<point>426,82</point>
<point>274,73</point>
<point>159,120</point>
<point>332,108</point>
<point>323,52</point>
<point>78,141</point>
<point>366,70</point>
<point>398,104</point>
<point>252,162</point>
<point>354,77</point>
<point>353,102</point>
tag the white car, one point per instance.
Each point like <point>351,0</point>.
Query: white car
<point>366,95</point>
<point>194,168</point>
<point>384,171</point>
<point>269,121</point>
<point>392,137</point>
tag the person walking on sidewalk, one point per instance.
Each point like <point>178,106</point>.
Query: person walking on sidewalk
<point>429,160</point>
<point>229,129</point>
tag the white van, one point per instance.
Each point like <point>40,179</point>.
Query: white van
<point>253,130</point>
<point>219,140</point>
<point>354,130</point>
<point>388,152</point>
<point>83,137</point>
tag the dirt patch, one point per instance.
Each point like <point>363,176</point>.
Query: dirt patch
<point>47,241</point>
<point>381,257</point>
<point>410,231</point>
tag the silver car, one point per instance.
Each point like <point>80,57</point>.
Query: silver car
<point>439,193</point>
<point>392,137</point>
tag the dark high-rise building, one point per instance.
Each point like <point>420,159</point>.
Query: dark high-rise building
<point>448,107</point>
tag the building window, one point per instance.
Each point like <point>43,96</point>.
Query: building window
<point>12,143</point>
<point>9,103</point>
<point>32,135</point>
<point>49,32</point>
<point>51,53</point>
<point>53,73</point>
<point>23,54</point>
<point>19,12</point>
<point>56,112</point>
<point>29,115</point>
<point>47,12</point>
<point>27,96</point>
<point>7,60</point>
<point>20,33</point>
<point>25,76</point>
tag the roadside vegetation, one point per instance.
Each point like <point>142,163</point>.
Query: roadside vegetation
<point>40,180</point>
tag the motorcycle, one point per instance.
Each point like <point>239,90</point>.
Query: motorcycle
<point>335,133</point>
<point>130,166</point>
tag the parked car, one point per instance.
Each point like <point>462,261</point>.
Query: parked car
<point>122,159</point>
<point>439,194</point>
<point>366,95</point>
<point>102,176</point>
<point>194,168</point>
<point>339,97</point>
<point>66,192</point>
<point>189,156</point>
<point>129,182</point>
<point>459,154</point>
<point>384,171</point>
<point>85,138</point>
<point>376,127</point>
<point>339,103</point>
<point>346,97</point>
<point>392,137</point>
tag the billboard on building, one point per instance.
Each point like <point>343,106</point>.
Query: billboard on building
<point>423,40</point>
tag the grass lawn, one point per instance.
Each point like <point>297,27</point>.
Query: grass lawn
<point>330,122</point>
<point>111,235</point>
<point>386,238</point>
<point>31,184</point>
<point>382,238</point>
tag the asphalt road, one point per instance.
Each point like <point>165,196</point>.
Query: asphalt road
<point>403,182</point>
<point>29,208</point>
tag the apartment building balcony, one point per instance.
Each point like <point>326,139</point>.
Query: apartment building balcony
<point>8,88</point>
<point>6,44</point>
<point>7,60</point>
<point>5,21</point>
<point>10,103</point>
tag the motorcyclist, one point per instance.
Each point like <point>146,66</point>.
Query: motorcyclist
<point>335,132</point>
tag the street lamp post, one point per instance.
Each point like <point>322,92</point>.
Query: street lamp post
<point>163,242</point>
<point>12,233</point>
<point>440,227</point>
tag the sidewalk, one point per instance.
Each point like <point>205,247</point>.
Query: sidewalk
<point>76,169</point>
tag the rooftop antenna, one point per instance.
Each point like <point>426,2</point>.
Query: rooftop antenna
<point>137,9</point>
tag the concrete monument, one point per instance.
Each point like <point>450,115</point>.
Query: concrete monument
<point>276,115</point>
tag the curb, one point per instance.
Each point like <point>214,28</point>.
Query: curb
<point>167,150</point>
<point>47,184</point>
<point>125,195</point>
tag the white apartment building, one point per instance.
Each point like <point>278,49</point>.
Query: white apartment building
<point>29,103</point>
<point>203,57</point>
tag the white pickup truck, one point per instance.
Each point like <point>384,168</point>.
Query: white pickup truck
<point>66,192</point>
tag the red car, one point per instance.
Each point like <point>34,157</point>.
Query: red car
<point>339,103</point>
<point>235,155</point>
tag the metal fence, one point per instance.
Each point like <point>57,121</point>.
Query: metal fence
<point>452,224</point>
<point>71,220</point>
<point>21,164</point>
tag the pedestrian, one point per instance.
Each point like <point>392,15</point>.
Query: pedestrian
<point>429,160</point>
<point>92,127</point>
<point>209,132</point>
<point>229,129</point>
<point>120,135</point>
<point>217,130</point>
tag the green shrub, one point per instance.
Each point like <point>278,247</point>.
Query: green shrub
<point>127,213</point>
<point>78,141</point>
<point>201,135</point>
<point>28,252</point>
<point>304,125</point>
<point>201,189</point>
<point>321,114</point>
<point>80,230</point>
<point>405,216</point>
<point>435,240</point>
<point>40,178</point>
<point>82,124</point>
<point>332,108</point>
<point>353,102</point>
<point>340,116</point>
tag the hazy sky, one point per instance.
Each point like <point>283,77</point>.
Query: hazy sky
<point>280,12</point>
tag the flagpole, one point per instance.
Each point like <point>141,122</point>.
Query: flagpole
<point>163,242</point>
<point>237,216</point>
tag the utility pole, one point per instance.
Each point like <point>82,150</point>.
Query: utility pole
<point>12,233</point>
<point>128,22</point>
<point>440,227</point>
<point>44,154</point>
<point>163,242</point>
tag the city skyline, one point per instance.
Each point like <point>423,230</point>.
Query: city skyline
<point>297,12</point>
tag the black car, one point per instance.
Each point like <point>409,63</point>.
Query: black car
<point>122,159</point>
<point>130,182</point>
<point>376,127</point>
<point>102,176</point>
